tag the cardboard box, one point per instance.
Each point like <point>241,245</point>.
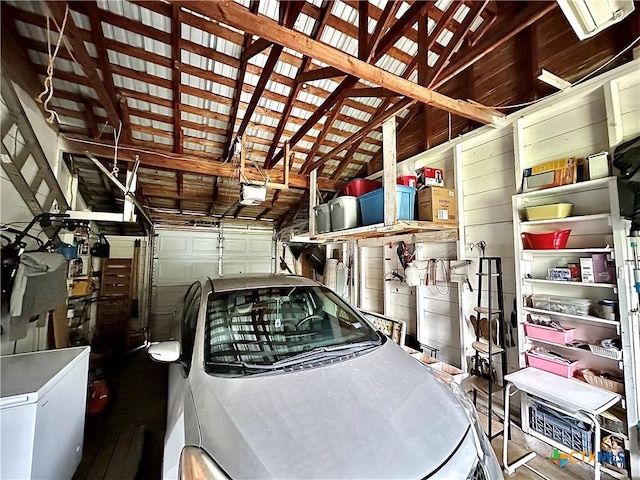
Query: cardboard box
<point>551,174</point>
<point>430,176</point>
<point>604,268</point>
<point>599,268</point>
<point>586,270</point>
<point>559,274</point>
<point>437,204</point>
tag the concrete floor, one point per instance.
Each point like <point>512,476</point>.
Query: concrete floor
<point>139,392</point>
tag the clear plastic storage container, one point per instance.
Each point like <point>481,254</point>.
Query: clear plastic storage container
<point>568,305</point>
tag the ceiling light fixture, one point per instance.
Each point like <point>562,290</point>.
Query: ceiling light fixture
<point>589,17</point>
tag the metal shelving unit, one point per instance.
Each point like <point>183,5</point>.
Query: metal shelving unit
<point>596,227</point>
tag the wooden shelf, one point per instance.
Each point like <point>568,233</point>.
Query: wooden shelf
<point>586,318</point>
<point>380,229</point>
<point>576,284</point>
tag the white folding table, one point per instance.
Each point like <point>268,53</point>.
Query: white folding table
<point>571,397</point>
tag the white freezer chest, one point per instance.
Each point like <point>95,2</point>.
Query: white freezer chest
<point>42,411</point>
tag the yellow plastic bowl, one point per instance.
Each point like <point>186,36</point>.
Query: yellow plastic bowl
<point>549,212</point>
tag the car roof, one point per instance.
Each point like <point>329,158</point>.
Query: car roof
<point>245,281</point>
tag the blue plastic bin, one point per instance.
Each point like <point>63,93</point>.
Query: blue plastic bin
<point>372,205</point>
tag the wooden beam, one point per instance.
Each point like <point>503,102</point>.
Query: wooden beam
<point>320,74</point>
<point>15,58</point>
<point>180,179</point>
<point>91,118</point>
<point>289,15</point>
<point>377,92</point>
<point>363,29</point>
<point>386,17</point>
<point>237,91</point>
<point>504,31</point>
<point>423,70</point>
<point>176,77</point>
<point>97,34</point>
<point>325,10</point>
<point>254,48</point>
<point>455,42</point>
<point>374,122</point>
<point>185,162</point>
<point>72,34</point>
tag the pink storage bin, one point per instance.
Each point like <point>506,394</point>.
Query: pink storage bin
<point>548,334</point>
<point>563,369</point>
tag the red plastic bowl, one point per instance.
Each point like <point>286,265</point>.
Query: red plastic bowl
<point>545,241</point>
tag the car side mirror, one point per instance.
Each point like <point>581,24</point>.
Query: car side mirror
<point>167,352</point>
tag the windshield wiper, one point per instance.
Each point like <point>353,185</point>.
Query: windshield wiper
<point>331,350</point>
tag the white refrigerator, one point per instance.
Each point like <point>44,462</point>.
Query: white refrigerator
<point>43,399</point>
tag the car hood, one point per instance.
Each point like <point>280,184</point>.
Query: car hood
<point>379,415</point>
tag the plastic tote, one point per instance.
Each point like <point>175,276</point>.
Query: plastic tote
<point>372,205</point>
<point>344,213</point>
<point>323,218</point>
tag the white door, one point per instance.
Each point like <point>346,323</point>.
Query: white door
<point>183,256</point>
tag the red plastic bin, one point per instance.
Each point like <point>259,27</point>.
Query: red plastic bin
<point>545,241</point>
<point>407,180</point>
<point>360,186</point>
<point>565,370</point>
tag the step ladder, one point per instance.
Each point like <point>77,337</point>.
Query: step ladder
<point>489,271</point>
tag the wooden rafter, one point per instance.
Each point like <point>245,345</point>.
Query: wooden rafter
<point>365,53</point>
<point>357,141</point>
<point>363,29</point>
<point>57,10</point>
<point>503,32</point>
<point>93,12</point>
<point>468,56</point>
<point>320,74</point>
<point>176,77</point>
<point>187,163</point>
<point>254,48</point>
<point>455,42</point>
<point>91,118</point>
<point>237,91</point>
<point>306,61</point>
<point>290,11</point>
<point>383,46</point>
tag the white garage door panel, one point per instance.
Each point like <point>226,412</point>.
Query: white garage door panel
<point>205,269</point>
<point>206,246</point>
<point>247,252</point>
<point>183,257</point>
<point>238,267</point>
<point>172,272</point>
<point>173,245</point>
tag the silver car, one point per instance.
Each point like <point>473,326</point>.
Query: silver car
<point>276,377</point>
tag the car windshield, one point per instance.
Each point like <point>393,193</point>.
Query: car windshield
<point>250,331</point>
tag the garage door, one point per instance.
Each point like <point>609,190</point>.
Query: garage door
<point>183,256</point>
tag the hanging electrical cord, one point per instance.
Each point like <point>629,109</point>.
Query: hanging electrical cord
<point>116,136</point>
<point>47,94</point>
<point>577,82</point>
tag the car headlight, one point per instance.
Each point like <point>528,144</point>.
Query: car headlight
<point>195,464</point>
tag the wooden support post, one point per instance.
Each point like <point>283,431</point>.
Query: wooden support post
<point>389,178</point>
<point>313,198</point>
